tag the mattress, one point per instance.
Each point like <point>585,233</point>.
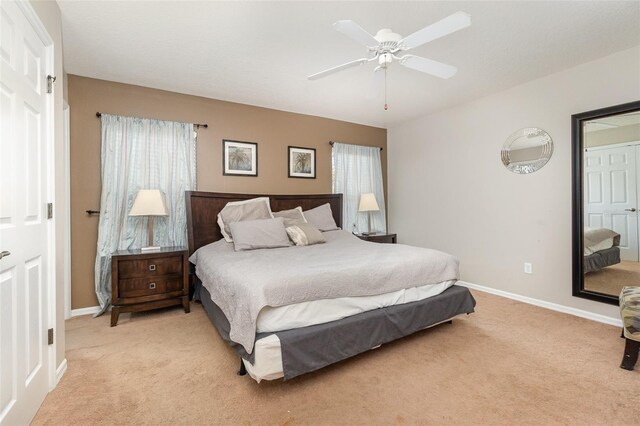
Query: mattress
<point>304,314</point>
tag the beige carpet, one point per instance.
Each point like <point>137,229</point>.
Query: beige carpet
<point>611,279</point>
<point>509,363</point>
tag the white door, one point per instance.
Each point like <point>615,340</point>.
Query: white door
<point>24,228</point>
<point>610,195</point>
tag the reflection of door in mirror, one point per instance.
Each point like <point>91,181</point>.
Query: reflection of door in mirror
<point>611,180</point>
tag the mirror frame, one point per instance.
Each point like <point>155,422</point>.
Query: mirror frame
<point>577,220</point>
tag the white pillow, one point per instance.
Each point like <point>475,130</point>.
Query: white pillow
<point>259,234</point>
<point>305,234</point>
<point>238,211</point>
<point>292,216</point>
<point>321,217</point>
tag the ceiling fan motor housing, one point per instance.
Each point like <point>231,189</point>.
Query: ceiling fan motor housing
<point>388,41</point>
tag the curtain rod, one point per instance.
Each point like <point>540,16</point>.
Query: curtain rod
<point>332,142</point>
<point>196,125</point>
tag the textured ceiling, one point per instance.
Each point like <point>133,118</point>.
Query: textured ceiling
<point>260,53</point>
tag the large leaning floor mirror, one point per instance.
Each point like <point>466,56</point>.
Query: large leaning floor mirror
<point>606,201</point>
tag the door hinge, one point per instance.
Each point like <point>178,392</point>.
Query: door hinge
<point>50,336</point>
<point>50,80</point>
<point>49,210</point>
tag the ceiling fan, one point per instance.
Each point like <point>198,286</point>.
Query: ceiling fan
<point>386,46</point>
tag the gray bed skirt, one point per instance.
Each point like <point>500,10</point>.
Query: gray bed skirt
<point>601,259</point>
<point>310,348</point>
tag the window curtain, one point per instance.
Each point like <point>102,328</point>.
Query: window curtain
<point>358,170</point>
<point>139,154</point>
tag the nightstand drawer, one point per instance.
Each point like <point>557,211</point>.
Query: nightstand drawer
<point>143,268</point>
<point>138,287</point>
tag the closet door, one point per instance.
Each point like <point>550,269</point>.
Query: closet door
<point>610,184</point>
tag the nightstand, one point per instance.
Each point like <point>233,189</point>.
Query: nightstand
<point>380,238</point>
<point>143,281</point>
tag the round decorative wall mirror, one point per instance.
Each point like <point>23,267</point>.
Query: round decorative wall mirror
<point>527,150</point>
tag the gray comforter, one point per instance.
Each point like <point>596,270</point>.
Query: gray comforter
<point>242,283</point>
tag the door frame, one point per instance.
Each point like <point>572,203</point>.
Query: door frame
<point>66,112</point>
<point>49,66</point>
<point>577,199</point>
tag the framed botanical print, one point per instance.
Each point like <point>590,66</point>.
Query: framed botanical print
<point>239,158</point>
<point>302,162</point>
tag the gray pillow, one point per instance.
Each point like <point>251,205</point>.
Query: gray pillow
<point>291,217</point>
<point>305,234</point>
<point>321,217</point>
<point>237,211</point>
<point>259,234</point>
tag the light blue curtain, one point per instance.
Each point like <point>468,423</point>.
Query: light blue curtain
<point>358,170</point>
<point>139,154</point>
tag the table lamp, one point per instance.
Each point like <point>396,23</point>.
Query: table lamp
<point>149,202</point>
<point>369,204</point>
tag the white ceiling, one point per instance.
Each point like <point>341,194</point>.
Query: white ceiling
<point>260,53</point>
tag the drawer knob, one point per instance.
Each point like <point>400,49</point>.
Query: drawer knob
<point>152,286</point>
<point>152,267</point>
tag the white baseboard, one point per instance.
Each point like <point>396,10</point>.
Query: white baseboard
<point>544,304</point>
<point>85,311</point>
<point>61,370</point>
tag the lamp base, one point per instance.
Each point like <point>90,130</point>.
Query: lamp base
<point>149,249</point>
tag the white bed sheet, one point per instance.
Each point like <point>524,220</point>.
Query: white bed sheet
<point>272,319</point>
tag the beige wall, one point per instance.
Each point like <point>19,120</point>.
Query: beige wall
<point>49,14</point>
<point>272,130</point>
<point>612,136</point>
<point>449,190</point>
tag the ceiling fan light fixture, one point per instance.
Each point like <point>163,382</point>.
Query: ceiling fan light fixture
<point>384,59</point>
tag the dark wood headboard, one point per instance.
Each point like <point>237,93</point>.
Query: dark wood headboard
<point>203,209</point>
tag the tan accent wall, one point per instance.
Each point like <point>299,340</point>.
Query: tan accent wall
<point>273,131</point>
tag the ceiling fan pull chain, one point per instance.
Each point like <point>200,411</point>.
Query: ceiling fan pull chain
<point>385,89</point>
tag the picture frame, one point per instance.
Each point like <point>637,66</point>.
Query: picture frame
<point>239,158</point>
<point>302,162</point>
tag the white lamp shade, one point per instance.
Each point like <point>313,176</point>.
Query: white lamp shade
<point>148,202</point>
<point>368,203</point>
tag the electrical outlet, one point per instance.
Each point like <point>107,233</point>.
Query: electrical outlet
<point>528,268</point>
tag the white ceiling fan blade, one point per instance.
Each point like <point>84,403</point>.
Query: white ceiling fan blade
<point>428,66</point>
<point>448,25</point>
<point>338,68</point>
<point>355,32</point>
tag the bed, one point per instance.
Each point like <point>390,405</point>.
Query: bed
<point>286,335</point>
<point>601,249</point>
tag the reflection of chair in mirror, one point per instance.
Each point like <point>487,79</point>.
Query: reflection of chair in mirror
<point>630,313</point>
